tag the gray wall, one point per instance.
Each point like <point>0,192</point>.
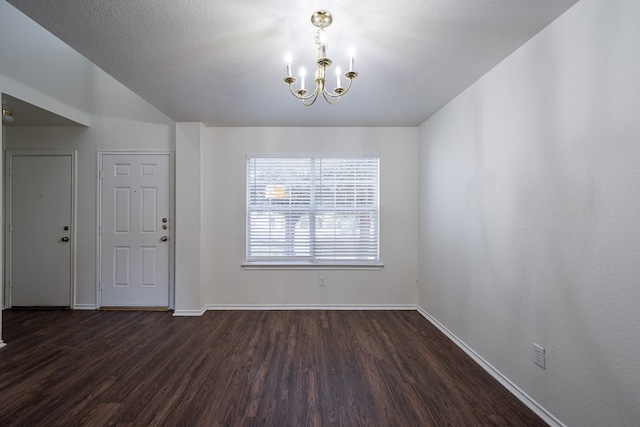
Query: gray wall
<point>222,220</point>
<point>529,218</point>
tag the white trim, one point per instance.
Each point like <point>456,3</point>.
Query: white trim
<point>172,229</point>
<point>312,206</point>
<point>7,236</point>
<point>98,226</point>
<point>74,226</point>
<point>172,212</point>
<point>320,155</point>
<point>506,382</point>
<point>2,343</point>
<point>186,313</point>
<point>310,307</point>
<point>221,307</point>
<point>85,307</point>
<point>302,266</point>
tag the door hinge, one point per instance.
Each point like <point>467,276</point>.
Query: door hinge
<point>100,230</point>
<point>100,286</point>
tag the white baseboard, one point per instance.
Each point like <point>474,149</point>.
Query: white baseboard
<point>309,307</point>
<point>191,313</point>
<point>2,343</point>
<point>84,307</point>
<point>506,382</point>
<point>214,307</point>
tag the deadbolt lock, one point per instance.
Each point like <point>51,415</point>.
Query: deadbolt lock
<point>164,220</point>
<point>65,228</point>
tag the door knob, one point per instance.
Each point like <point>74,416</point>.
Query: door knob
<point>164,238</point>
<point>65,239</point>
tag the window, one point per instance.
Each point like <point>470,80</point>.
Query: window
<point>312,210</point>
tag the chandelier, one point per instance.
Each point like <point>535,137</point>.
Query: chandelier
<point>321,19</point>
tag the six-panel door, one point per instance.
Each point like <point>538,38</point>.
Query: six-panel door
<point>135,230</point>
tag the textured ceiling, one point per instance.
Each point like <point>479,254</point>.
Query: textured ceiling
<point>222,62</point>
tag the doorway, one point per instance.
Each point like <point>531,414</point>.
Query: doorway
<point>40,228</point>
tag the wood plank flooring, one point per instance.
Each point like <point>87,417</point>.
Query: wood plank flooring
<point>243,368</point>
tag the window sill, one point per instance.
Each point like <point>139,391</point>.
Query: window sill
<point>308,266</point>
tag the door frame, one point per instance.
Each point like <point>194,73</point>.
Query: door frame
<point>8,240</point>
<point>100,155</point>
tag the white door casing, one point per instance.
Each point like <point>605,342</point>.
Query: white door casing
<point>40,228</point>
<point>134,230</point>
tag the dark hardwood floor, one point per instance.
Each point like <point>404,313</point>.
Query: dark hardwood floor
<point>243,368</point>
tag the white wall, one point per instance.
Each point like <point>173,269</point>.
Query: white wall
<point>38,68</point>
<point>64,82</point>
<point>223,162</point>
<point>529,216</point>
<point>188,231</point>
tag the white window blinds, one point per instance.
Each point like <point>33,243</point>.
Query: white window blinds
<point>313,210</point>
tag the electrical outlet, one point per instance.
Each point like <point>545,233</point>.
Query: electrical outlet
<point>323,280</point>
<point>538,355</point>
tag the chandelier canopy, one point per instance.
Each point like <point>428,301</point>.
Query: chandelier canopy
<point>321,19</point>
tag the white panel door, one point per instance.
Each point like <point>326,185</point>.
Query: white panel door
<point>135,230</point>
<point>39,222</point>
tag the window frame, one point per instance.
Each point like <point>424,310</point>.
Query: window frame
<point>312,210</point>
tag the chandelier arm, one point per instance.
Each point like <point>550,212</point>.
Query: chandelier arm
<point>312,102</point>
<point>332,95</point>
<point>319,89</point>
<point>338,95</point>
<point>315,93</point>
<point>333,99</point>
<point>348,86</point>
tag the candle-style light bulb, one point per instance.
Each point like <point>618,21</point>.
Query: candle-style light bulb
<point>287,59</point>
<point>303,73</point>
<point>351,54</point>
<point>338,77</point>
